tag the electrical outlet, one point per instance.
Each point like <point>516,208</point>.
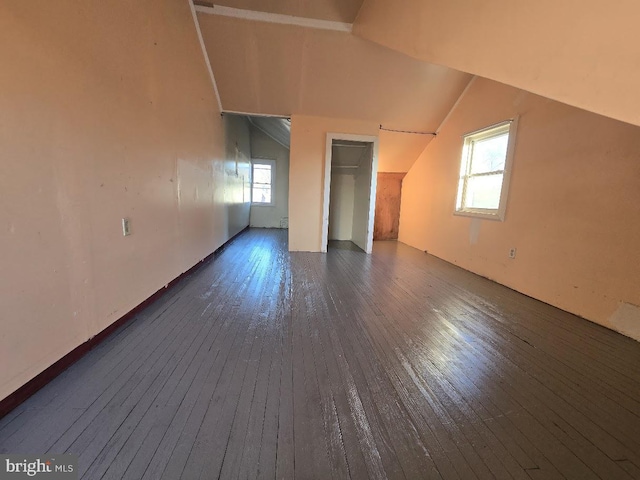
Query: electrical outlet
<point>126,227</point>
<point>512,252</point>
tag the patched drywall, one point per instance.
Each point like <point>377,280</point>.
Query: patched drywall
<point>626,319</point>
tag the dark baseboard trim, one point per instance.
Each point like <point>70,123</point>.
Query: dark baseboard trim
<point>36,383</point>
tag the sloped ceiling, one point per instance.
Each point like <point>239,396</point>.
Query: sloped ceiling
<point>347,156</point>
<point>265,68</point>
<point>279,129</point>
<point>277,69</point>
<point>584,53</point>
<point>399,151</point>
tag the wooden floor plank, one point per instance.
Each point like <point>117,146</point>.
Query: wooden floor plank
<point>270,364</point>
<point>332,429</point>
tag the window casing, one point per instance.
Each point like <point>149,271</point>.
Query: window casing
<point>263,181</point>
<point>485,167</point>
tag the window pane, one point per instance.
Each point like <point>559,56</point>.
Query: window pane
<point>483,192</point>
<point>459,196</point>
<point>262,174</point>
<point>489,155</point>
<point>261,194</point>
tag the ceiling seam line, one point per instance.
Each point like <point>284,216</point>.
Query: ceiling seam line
<point>276,18</point>
<point>205,54</point>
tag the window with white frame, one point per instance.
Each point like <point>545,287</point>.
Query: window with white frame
<point>487,155</point>
<point>263,181</point>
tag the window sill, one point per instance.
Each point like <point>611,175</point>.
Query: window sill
<point>263,204</point>
<point>494,215</point>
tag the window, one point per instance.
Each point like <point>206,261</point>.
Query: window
<point>263,181</point>
<point>484,171</point>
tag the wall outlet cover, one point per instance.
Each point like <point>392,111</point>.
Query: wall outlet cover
<point>126,227</point>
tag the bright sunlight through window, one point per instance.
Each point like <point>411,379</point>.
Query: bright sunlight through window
<point>484,171</point>
<point>263,180</point>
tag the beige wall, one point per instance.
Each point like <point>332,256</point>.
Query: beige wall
<point>584,53</point>
<point>106,111</point>
<point>572,211</point>
<point>277,215</point>
<point>306,175</point>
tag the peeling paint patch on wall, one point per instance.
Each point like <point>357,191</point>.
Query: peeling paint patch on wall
<point>626,320</point>
<point>474,230</point>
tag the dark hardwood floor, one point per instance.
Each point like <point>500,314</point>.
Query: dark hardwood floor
<point>266,364</point>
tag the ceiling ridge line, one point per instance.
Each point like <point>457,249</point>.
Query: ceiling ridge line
<point>207,62</point>
<point>457,102</point>
<point>277,18</point>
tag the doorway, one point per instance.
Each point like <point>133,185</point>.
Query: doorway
<point>351,164</point>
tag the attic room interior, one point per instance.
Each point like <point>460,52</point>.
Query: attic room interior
<point>320,239</point>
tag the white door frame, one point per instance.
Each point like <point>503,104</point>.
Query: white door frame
<point>327,185</point>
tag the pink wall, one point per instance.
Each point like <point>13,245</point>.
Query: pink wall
<point>106,111</point>
<point>572,212</point>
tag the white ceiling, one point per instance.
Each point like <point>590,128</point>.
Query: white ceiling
<point>279,129</point>
<point>347,156</point>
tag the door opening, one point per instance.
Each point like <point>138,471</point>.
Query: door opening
<point>351,165</point>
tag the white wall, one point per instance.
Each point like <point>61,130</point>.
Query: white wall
<point>341,206</point>
<point>361,202</point>
<point>277,215</point>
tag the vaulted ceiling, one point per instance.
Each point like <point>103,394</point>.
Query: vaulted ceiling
<point>277,69</point>
<point>277,128</point>
<point>402,65</point>
<point>585,53</point>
